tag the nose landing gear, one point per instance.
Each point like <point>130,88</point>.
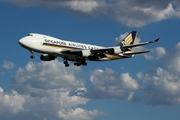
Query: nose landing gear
<point>32,54</point>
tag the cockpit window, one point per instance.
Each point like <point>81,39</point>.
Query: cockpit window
<point>30,34</point>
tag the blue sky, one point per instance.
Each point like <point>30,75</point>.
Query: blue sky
<point>144,87</point>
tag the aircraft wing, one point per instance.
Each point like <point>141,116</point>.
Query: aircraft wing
<point>101,53</point>
<point>81,54</point>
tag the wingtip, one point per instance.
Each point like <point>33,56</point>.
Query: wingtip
<point>157,39</point>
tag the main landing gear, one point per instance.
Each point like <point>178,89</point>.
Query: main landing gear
<point>32,54</point>
<point>78,63</point>
<point>66,63</point>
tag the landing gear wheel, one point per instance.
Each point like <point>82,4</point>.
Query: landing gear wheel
<point>32,56</point>
<point>66,63</point>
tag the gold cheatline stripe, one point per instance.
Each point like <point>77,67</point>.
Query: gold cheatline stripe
<point>113,57</point>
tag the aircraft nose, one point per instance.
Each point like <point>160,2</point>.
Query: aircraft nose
<point>24,42</point>
<point>21,41</point>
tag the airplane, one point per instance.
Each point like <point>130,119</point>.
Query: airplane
<point>79,53</point>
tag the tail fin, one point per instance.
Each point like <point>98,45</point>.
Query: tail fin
<point>129,39</point>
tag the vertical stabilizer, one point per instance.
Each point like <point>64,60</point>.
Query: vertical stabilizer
<point>129,39</point>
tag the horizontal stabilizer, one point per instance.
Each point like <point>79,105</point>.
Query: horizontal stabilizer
<point>133,53</point>
<point>140,44</point>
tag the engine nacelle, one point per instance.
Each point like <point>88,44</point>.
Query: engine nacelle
<point>47,57</point>
<point>116,50</point>
<point>85,53</point>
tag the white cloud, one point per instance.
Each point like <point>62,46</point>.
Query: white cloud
<point>35,78</point>
<point>12,102</point>
<point>163,88</point>
<point>79,114</point>
<point>172,60</point>
<point>130,13</point>
<point>156,54</point>
<point>134,13</point>
<point>109,84</point>
<point>139,75</point>
<point>8,65</point>
<point>130,96</point>
<point>57,105</point>
<point>41,91</point>
<point>79,5</point>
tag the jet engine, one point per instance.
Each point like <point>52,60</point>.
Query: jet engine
<point>47,57</point>
<point>85,53</point>
<point>115,50</point>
